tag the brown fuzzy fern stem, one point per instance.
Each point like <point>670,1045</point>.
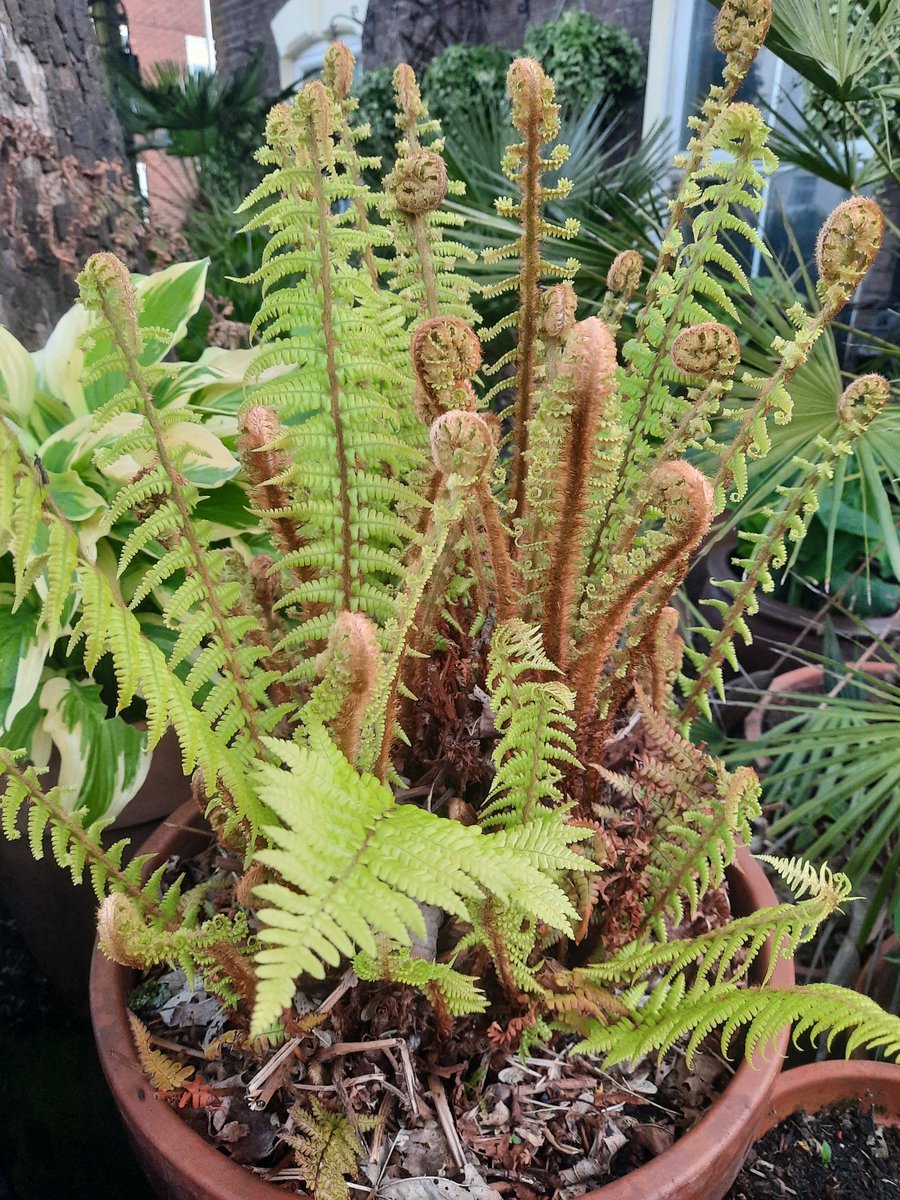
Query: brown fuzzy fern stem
<point>531,93</point>
<point>267,465</point>
<point>351,660</point>
<point>684,496</point>
<point>587,372</point>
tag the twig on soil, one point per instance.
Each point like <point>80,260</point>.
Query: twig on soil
<point>257,1083</point>
<point>416,1104</point>
<point>445,1117</point>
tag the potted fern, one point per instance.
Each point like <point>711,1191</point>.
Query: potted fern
<point>430,713</point>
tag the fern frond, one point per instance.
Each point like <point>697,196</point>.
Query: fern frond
<point>450,992</point>
<point>356,864</point>
<point>342,350</point>
<point>536,743</point>
<point>164,1072</point>
<point>761,1014</point>
<point>326,1148</point>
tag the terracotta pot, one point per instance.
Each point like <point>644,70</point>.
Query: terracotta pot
<point>801,679</point>
<point>56,921</point>
<point>777,622</point>
<point>878,977</point>
<point>820,1085</point>
<point>182,1166</point>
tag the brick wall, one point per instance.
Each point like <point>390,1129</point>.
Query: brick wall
<point>239,27</point>
<point>157,29</point>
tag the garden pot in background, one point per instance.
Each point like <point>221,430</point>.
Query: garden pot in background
<point>57,921</point>
<point>802,679</point>
<point>182,1166</point>
<point>776,622</point>
<point>821,1085</point>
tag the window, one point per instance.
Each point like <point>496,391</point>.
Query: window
<point>198,54</point>
<point>686,61</point>
<point>308,62</point>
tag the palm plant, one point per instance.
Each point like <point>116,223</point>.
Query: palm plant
<point>832,781</point>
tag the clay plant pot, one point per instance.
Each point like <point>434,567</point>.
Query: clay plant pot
<point>820,1085</point>
<point>182,1166</point>
<point>810,680</point>
<point>56,921</point>
<point>776,622</point>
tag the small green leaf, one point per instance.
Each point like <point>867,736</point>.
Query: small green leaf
<point>75,500</point>
<point>17,375</point>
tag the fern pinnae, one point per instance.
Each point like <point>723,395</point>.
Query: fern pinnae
<point>536,729</point>
<point>857,408</point>
<point>337,75</point>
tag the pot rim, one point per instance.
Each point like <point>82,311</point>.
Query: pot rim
<point>694,1156</point>
<point>819,1085</point>
<point>802,679</point>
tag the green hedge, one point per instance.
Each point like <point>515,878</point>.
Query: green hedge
<point>589,61</point>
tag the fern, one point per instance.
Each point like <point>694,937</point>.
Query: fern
<point>226,669</point>
<point>425,265</point>
<point>322,319</point>
<point>761,1014</point>
<point>326,1148</point>
<point>536,117</point>
<point>404,590</point>
<point>164,1073</point>
<point>449,992</point>
<point>533,719</point>
<point>858,407</point>
<point>355,864</point>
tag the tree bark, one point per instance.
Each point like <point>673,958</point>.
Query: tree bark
<point>63,171</point>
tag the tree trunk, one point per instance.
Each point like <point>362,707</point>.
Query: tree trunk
<point>64,180</point>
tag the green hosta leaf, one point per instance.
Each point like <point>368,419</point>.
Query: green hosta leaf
<point>17,376</point>
<point>59,364</point>
<point>167,300</point>
<point>75,500</point>
<point>23,652</point>
<point>103,759</point>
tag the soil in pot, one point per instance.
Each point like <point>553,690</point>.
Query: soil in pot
<point>840,1153</point>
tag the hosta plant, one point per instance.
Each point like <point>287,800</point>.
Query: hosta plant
<point>47,402</point>
<point>437,710</point>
